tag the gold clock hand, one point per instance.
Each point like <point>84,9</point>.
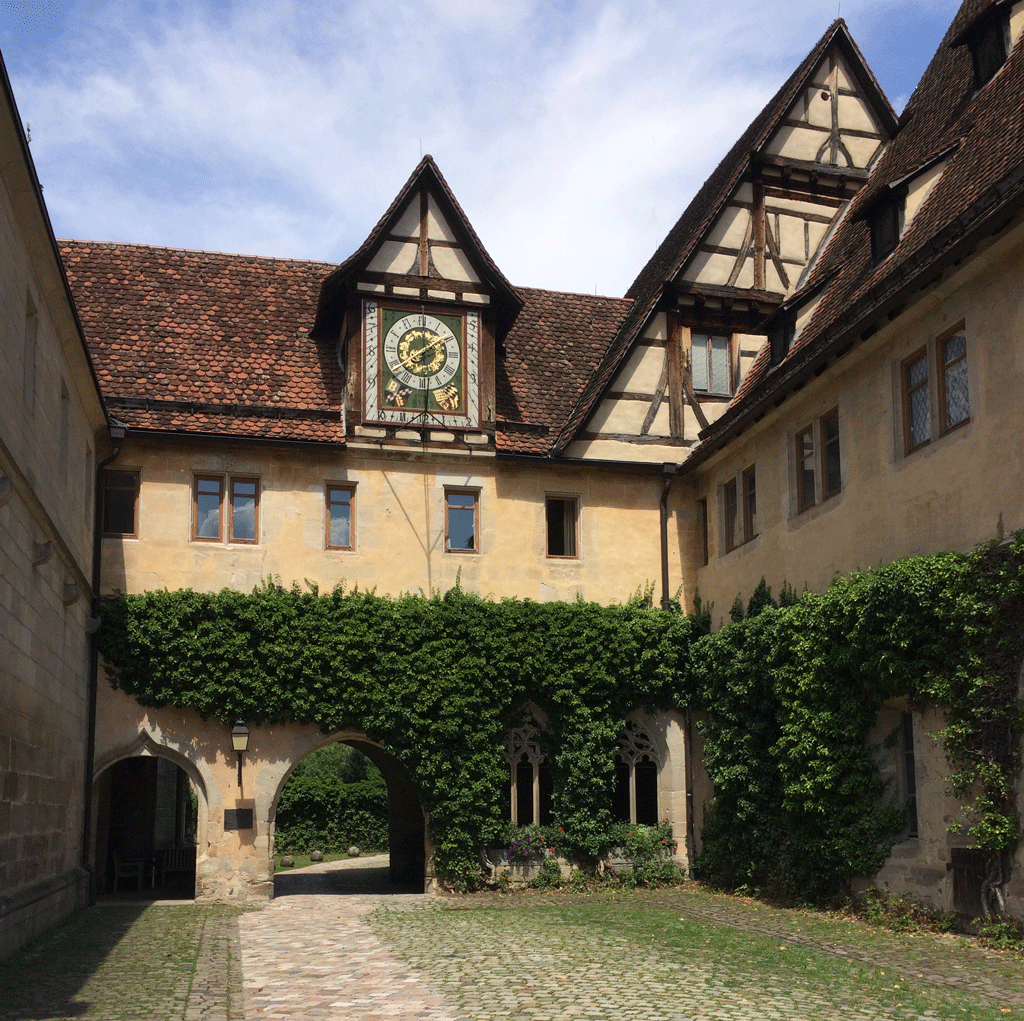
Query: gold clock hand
<point>418,353</point>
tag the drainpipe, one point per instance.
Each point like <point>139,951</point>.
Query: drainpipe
<point>668,473</point>
<point>688,742</point>
<point>118,431</point>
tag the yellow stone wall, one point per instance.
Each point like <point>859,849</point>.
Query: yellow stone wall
<point>398,525</point>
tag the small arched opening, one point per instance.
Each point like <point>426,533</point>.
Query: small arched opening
<point>149,807</point>
<point>405,826</point>
<point>529,789</point>
<point>636,776</point>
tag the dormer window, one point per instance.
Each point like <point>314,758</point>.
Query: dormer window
<point>780,338</point>
<point>988,50</point>
<point>988,39</point>
<point>885,223</point>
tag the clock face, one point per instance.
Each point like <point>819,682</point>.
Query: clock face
<point>422,363</point>
<point>421,366</point>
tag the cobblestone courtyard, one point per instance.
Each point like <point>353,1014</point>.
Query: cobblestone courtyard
<point>336,945</point>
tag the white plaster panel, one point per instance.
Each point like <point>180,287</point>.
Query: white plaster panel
<point>396,257</point>
<point>744,193</point>
<point>855,114</point>
<point>1016,22</point>
<point>623,417</point>
<point>791,237</point>
<point>437,225</point>
<point>821,75</point>
<point>480,299</point>
<point>920,188</point>
<point>452,264</point>
<point>861,149</point>
<point>796,143</point>
<point>364,286</point>
<point>819,109</point>
<point>619,450</point>
<point>661,425</point>
<point>730,228</point>
<point>642,371</point>
<point>447,295</point>
<point>844,80</point>
<point>408,225</point>
<point>772,280</point>
<point>746,275</point>
<point>707,268</point>
<point>798,206</point>
<point>657,328</point>
<point>412,292</point>
<point>817,232</point>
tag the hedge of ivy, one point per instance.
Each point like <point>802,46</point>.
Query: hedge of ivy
<point>437,682</point>
<point>326,813</point>
<point>791,689</point>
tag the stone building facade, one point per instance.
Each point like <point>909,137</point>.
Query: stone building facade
<point>53,430</point>
<point>817,371</point>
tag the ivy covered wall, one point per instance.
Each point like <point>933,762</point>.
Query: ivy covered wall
<point>792,690</point>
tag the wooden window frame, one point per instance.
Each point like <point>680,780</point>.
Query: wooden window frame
<point>233,480</point>
<point>196,480</point>
<point>706,347</point>
<point>906,391</point>
<point>749,489</point>
<point>108,475</point>
<point>801,458</point>
<point>826,492</point>
<point>225,508</point>
<point>457,491</point>
<point>943,369</point>
<point>566,501</point>
<point>345,487</point>
<point>730,509</point>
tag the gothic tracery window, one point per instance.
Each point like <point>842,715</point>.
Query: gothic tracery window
<point>636,777</point>
<point>530,784</point>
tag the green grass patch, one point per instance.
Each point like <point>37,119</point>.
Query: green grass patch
<point>661,946</point>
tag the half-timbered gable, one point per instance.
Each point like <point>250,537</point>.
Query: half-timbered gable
<point>416,314</point>
<point>741,247</point>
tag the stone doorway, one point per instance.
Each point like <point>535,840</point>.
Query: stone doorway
<point>406,860</point>
<point>146,812</point>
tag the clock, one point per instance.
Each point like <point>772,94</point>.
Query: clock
<point>421,366</point>
<point>422,363</point>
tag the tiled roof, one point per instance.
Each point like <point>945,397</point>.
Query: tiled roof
<point>210,342</point>
<point>213,344</point>
<point>984,133</point>
<point>553,348</point>
<point>700,214</point>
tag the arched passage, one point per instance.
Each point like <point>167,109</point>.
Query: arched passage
<point>149,808</point>
<point>407,839</point>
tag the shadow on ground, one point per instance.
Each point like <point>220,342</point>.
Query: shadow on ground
<point>46,978</point>
<point>373,879</point>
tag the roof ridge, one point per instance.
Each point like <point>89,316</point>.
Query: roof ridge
<point>138,245</point>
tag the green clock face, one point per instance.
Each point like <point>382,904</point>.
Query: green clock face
<point>422,363</point>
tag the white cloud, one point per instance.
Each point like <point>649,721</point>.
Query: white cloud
<point>573,132</point>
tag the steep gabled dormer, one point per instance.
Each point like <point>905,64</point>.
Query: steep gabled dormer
<point>416,313</point>
<point>741,247</point>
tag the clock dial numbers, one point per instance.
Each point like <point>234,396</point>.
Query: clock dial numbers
<point>422,363</point>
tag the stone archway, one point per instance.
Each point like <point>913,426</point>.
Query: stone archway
<point>410,850</point>
<point>149,817</point>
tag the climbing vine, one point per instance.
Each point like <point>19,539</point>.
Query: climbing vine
<point>435,681</point>
<point>790,693</point>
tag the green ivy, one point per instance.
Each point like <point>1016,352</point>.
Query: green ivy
<point>435,681</point>
<point>791,691</point>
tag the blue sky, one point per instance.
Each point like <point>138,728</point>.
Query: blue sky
<point>573,132</point>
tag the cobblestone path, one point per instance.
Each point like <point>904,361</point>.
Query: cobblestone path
<point>368,956</point>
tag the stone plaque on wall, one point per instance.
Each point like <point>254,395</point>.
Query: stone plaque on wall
<point>237,819</point>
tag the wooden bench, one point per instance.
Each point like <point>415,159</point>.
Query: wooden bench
<point>173,861</point>
<point>130,868</point>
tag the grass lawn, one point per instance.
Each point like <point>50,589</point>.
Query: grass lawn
<point>302,860</point>
<point>492,955</point>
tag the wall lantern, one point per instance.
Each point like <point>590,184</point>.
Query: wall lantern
<point>240,742</point>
